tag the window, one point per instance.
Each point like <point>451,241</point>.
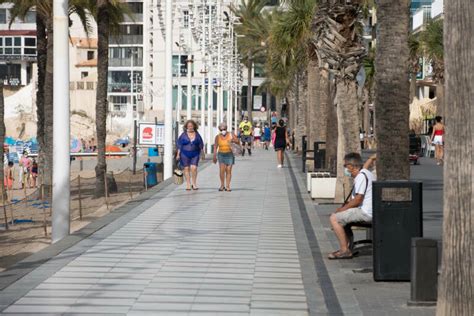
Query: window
<point>90,54</point>
<point>80,85</point>
<point>89,85</point>
<point>30,17</point>
<point>17,41</point>
<point>3,16</point>
<point>84,74</point>
<point>30,41</point>
<point>186,19</point>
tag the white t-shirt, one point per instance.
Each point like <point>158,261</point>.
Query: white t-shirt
<point>363,185</point>
<point>257,132</point>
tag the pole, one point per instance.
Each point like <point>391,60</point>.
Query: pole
<point>134,146</point>
<point>180,91</point>
<point>204,71</point>
<point>210,92</point>
<point>189,99</point>
<point>168,155</point>
<point>132,99</point>
<point>106,187</point>
<point>4,206</point>
<point>80,196</point>
<point>61,126</point>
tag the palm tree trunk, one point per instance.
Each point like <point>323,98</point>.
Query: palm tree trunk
<point>412,86</point>
<point>456,290</point>
<point>101,96</point>
<point>42,56</point>
<point>2,141</point>
<point>327,100</point>
<point>440,97</point>
<point>316,115</point>
<point>392,90</point>
<point>249,90</point>
<point>47,149</point>
<point>348,131</point>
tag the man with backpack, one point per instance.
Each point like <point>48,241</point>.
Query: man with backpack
<point>356,208</point>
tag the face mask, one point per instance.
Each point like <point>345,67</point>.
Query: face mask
<point>190,130</point>
<point>347,172</point>
<point>224,132</point>
<point>246,121</point>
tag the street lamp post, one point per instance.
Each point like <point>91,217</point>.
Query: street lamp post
<point>210,101</point>
<point>189,99</point>
<point>168,146</point>
<point>61,122</point>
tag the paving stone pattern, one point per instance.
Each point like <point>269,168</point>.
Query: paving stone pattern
<point>202,252</point>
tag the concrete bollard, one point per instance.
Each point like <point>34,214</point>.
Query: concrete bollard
<point>424,272</point>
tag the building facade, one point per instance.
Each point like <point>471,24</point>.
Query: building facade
<point>17,47</point>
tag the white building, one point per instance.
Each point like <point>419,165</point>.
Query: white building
<point>139,53</point>
<point>17,47</point>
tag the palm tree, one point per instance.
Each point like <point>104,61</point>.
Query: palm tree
<point>338,45</point>
<point>392,90</point>
<point>455,291</point>
<point>2,149</point>
<point>414,47</point>
<point>431,42</point>
<point>101,93</point>
<point>44,95</point>
<point>108,14</point>
<point>252,43</point>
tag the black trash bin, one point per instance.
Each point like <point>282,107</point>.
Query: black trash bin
<point>396,220</point>
<point>319,155</point>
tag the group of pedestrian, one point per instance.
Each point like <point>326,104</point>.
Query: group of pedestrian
<point>190,148</point>
<point>27,173</point>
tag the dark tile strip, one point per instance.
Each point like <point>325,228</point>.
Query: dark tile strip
<point>327,288</point>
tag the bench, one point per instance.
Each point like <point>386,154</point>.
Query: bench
<point>350,234</point>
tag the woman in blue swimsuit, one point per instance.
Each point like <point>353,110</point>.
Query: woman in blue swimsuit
<point>190,146</point>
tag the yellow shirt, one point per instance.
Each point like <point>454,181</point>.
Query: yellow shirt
<point>224,143</point>
<point>246,128</point>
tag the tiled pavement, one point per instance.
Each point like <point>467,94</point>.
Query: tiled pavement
<point>202,252</point>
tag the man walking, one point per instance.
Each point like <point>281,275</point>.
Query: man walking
<point>246,132</point>
<point>356,208</point>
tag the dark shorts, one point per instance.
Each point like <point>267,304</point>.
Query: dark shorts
<point>189,161</point>
<point>280,144</point>
<point>246,139</point>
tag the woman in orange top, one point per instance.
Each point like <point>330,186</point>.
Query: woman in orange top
<point>437,139</point>
<point>223,153</point>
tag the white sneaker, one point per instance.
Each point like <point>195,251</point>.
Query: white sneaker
<point>279,166</point>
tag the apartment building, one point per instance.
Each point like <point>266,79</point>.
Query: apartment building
<point>17,47</point>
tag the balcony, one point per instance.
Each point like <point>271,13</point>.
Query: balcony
<point>437,8</point>
<point>126,40</point>
<point>136,18</point>
<point>124,87</point>
<point>125,62</point>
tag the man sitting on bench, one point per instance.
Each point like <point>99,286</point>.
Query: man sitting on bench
<point>356,208</point>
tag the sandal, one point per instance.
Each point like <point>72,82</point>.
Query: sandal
<point>336,255</point>
<point>228,189</point>
<point>221,189</point>
<point>194,188</point>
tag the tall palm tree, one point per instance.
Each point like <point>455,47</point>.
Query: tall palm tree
<point>44,95</point>
<point>431,42</point>
<point>338,44</point>
<point>392,90</point>
<point>108,14</point>
<point>456,291</point>
<point>414,48</point>
<point>2,149</point>
<point>289,60</point>
<point>252,43</point>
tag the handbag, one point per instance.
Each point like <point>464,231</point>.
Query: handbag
<point>236,149</point>
<point>178,176</point>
